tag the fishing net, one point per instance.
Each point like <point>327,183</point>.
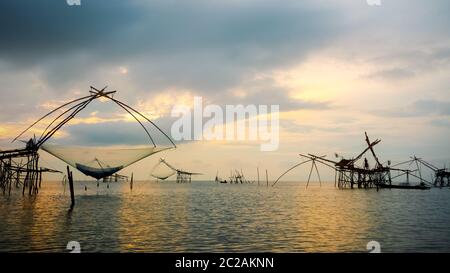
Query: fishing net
<point>96,162</point>
<point>162,170</point>
<point>99,162</point>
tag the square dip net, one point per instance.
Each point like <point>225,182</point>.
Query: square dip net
<point>97,162</point>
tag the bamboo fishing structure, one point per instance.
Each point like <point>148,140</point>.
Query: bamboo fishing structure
<point>350,174</point>
<point>20,167</point>
<point>441,176</point>
<point>237,177</point>
<point>76,106</point>
<point>181,175</point>
<point>115,178</point>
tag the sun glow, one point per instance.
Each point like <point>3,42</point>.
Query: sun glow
<point>323,78</point>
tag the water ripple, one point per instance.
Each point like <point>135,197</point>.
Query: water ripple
<point>209,217</point>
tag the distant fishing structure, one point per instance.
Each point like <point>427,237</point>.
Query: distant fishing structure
<point>236,177</point>
<point>220,180</point>
<point>441,175</point>
<point>163,170</point>
<point>356,172</point>
<point>21,166</point>
<point>115,178</point>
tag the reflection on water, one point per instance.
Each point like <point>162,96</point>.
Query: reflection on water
<point>204,216</point>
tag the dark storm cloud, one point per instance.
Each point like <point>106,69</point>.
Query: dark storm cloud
<point>195,44</point>
<point>37,28</point>
<point>208,47</point>
<point>33,31</point>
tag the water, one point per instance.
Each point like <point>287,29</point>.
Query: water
<point>209,217</point>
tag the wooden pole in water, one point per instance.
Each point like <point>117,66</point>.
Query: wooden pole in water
<point>40,177</point>
<point>131,182</point>
<point>257,170</point>
<point>267,179</point>
<point>72,194</point>
<point>25,180</point>
<point>31,176</point>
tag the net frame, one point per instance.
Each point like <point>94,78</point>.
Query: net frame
<point>69,111</point>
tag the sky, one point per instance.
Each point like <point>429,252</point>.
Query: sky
<point>335,68</point>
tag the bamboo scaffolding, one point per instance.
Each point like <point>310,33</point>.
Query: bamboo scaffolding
<point>347,173</point>
<point>20,167</point>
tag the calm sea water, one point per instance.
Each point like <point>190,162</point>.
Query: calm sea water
<point>205,216</point>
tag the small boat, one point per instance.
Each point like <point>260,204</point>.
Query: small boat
<point>405,186</point>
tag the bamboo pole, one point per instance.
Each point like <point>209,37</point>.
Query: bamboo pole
<point>131,182</point>
<point>72,194</point>
<point>40,178</point>
<point>257,170</point>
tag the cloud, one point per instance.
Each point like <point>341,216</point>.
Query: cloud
<point>444,123</point>
<point>196,44</point>
<point>34,31</point>
<point>277,96</point>
<point>392,74</point>
<point>295,127</point>
<point>408,63</point>
<point>112,133</point>
<point>51,52</point>
<point>424,107</point>
<point>418,108</point>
